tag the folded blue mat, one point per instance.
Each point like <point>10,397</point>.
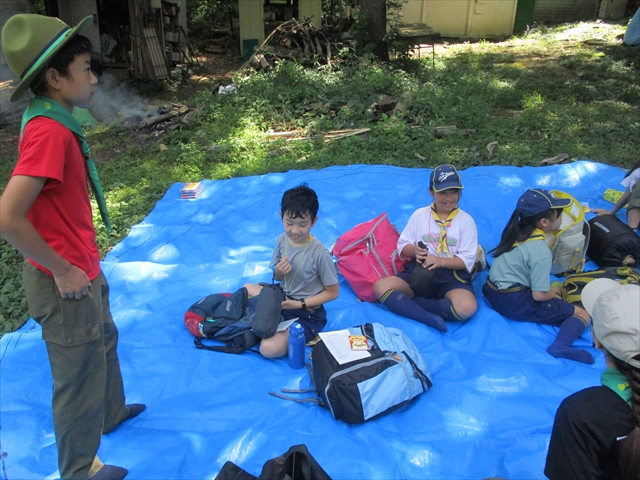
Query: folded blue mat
<point>495,393</point>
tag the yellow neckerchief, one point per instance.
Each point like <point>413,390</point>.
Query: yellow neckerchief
<point>537,234</point>
<point>287,288</point>
<point>443,224</point>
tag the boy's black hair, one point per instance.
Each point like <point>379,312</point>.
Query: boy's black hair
<point>78,45</point>
<point>299,201</point>
<point>519,229</point>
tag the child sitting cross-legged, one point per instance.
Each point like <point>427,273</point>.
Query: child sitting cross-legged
<point>304,268</point>
<point>519,284</point>
<point>443,239</point>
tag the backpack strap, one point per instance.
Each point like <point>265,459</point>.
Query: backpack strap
<point>301,390</point>
<point>573,284</point>
<point>228,348</point>
<point>298,400</point>
<point>628,275</point>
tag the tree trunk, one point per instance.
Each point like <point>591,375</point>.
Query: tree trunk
<point>375,13</point>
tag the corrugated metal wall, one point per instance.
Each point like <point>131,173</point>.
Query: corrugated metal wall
<point>557,11</point>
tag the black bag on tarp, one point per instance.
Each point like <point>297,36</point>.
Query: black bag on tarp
<point>296,464</point>
<point>235,319</point>
<point>612,241</point>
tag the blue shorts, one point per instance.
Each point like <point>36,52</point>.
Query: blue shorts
<point>517,303</point>
<point>312,319</point>
<point>444,281</point>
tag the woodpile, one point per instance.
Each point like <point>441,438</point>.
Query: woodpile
<point>160,121</point>
<point>300,41</point>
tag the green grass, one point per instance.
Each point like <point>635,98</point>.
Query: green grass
<point>570,89</point>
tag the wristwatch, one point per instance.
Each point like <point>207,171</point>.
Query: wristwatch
<point>304,304</point>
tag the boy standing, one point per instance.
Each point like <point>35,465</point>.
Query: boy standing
<point>304,268</point>
<point>45,212</point>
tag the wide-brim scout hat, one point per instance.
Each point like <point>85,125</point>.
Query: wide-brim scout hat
<point>615,310</point>
<point>445,177</point>
<point>536,201</point>
<point>29,41</point>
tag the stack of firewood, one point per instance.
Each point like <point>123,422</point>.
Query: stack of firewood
<point>297,40</point>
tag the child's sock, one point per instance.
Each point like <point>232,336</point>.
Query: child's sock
<point>570,330</point>
<point>399,303</point>
<point>443,308</point>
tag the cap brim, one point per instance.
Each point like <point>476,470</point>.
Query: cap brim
<point>26,81</point>
<point>448,187</point>
<point>594,289</point>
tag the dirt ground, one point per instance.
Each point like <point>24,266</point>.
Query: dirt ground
<point>214,69</point>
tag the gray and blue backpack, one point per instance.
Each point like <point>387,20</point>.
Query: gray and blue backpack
<point>388,378</point>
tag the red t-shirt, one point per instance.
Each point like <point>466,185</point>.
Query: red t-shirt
<point>62,211</point>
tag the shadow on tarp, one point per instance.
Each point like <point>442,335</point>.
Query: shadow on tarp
<point>495,390</point>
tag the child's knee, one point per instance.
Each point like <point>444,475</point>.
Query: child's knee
<point>267,349</point>
<point>383,285</point>
<point>582,314</point>
<point>380,287</point>
<point>467,310</point>
<point>275,346</point>
<point>252,289</point>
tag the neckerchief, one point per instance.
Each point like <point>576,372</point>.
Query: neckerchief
<point>46,107</point>
<point>537,234</point>
<point>443,224</point>
<point>616,381</point>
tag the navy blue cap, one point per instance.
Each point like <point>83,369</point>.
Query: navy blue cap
<point>444,177</point>
<point>536,200</point>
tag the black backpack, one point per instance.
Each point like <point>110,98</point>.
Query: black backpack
<point>235,319</point>
<point>296,464</point>
<point>612,241</point>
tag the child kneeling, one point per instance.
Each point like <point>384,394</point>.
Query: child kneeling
<point>519,286</point>
<point>304,268</point>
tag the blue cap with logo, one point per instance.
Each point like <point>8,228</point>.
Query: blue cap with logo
<point>444,177</point>
<point>536,201</point>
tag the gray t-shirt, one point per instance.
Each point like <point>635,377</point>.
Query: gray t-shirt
<point>312,267</point>
<point>528,264</point>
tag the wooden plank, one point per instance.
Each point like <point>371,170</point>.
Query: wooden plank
<point>142,52</point>
<point>158,59</point>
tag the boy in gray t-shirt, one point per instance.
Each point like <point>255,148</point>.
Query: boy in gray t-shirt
<point>304,268</point>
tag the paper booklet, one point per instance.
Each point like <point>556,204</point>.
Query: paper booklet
<point>345,347</point>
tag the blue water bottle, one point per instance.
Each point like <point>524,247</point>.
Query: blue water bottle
<point>296,346</point>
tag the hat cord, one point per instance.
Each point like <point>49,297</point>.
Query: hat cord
<point>44,53</point>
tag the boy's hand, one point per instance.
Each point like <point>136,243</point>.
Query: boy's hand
<point>289,304</point>
<point>282,267</point>
<point>601,211</point>
<point>556,287</point>
<point>422,252</point>
<point>74,283</point>
<point>432,261</point>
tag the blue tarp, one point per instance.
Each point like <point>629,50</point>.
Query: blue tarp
<point>495,390</point>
